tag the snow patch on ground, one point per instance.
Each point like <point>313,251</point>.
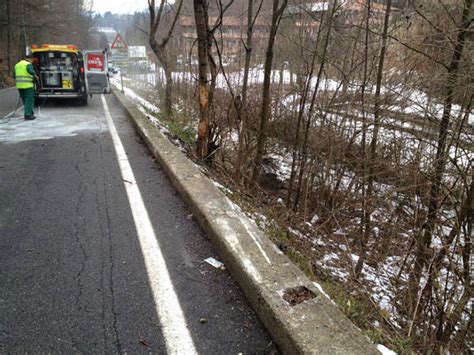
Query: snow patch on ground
<point>384,350</point>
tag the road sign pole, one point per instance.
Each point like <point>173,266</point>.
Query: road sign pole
<point>121,78</point>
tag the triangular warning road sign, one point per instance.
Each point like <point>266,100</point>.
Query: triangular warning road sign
<point>118,42</point>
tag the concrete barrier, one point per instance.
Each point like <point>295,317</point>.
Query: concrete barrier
<point>267,277</point>
<point>8,101</point>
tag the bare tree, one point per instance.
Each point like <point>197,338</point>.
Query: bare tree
<point>55,21</point>
<point>310,115</point>
<point>423,241</point>
<point>360,127</point>
<point>373,143</point>
<point>160,47</point>
<point>242,108</point>
<point>277,13</point>
<point>9,34</point>
<point>202,19</point>
<point>305,92</point>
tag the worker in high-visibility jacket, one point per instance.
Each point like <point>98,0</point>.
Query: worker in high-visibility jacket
<point>24,77</point>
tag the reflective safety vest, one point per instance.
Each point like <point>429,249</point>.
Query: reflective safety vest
<point>24,80</point>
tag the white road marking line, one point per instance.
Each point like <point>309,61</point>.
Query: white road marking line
<point>175,330</point>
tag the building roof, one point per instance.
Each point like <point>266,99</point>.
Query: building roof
<point>235,21</point>
<point>314,6</point>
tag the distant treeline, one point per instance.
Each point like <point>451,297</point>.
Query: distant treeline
<point>26,22</point>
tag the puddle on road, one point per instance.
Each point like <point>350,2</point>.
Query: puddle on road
<point>50,123</point>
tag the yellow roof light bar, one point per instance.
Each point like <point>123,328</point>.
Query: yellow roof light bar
<point>55,47</point>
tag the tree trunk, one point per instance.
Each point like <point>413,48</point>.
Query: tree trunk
<point>373,142</point>
<point>302,108</point>
<point>242,111</point>
<point>9,36</point>
<point>168,91</point>
<point>280,87</point>
<point>266,99</point>
<point>304,154</point>
<point>160,49</point>
<point>164,60</point>
<point>423,240</point>
<point>364,128</point>
<point>200,16</point>
<point>446,329</point>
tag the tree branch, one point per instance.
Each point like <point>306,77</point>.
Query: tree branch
<point>168,36</point>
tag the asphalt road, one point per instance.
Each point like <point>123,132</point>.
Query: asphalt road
<point>75,270</point>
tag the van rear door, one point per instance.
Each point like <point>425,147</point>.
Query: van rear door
<point>97,72</point>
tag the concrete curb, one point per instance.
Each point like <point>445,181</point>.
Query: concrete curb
<point>315,326</point>
<point>9,99</point>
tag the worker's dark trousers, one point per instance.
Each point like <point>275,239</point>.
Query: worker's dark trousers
<point>28,99</point>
